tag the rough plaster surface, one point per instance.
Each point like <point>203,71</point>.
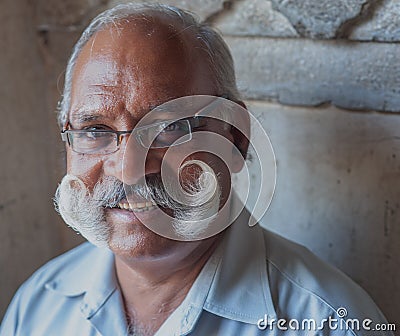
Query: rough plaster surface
<point>338,191</point>
<point>383,25</point>
<point>71,14</point>
<point>318,18</point>
<point>305,72</point>
<point>254,18</point>
<point>29,236</point>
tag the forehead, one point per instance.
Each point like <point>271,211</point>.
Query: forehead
<point>135,66</point>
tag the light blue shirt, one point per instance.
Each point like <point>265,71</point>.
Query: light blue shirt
<point>253,279</point>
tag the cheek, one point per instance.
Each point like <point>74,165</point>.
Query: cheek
<point>222,171</point>
<point>218,149</point>
<point>88,169</point>
<point>221,162</point>
<point>219,166</point>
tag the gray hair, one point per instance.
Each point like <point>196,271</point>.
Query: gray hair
<point>220,58</point>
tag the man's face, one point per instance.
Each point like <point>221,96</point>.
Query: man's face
<point>121,75</point>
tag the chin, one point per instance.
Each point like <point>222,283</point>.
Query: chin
<point>128,235</point>
<point>140,244</point>
<point>124,243</point>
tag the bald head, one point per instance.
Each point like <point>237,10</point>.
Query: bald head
<point>139,58</point>
<point>161,37</point>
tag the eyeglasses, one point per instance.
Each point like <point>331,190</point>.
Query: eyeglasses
<point>159,135</point>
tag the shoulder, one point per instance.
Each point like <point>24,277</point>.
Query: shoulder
<point>63,265</point>
<point>304,286</point>
<point>34,290</point>
<point>300,267</point>
<point>57,288</point>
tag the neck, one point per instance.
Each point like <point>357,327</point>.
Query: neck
<point>153,289</point>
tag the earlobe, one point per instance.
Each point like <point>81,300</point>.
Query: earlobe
<point>241,138</point>
<point>239,154</point>
<point>238,163</point>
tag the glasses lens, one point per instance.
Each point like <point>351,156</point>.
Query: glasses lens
<point>165,134</point>
<point>93,142</point>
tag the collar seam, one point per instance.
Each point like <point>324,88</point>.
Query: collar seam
<point>295,283</point>
<point>51,286</point>
<point>264,280</point>
<point>224,309</point>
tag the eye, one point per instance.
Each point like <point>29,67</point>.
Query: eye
<point>96,131</point>
<point>177,126</point>
<point>171,127</point>
<point>96,128</point>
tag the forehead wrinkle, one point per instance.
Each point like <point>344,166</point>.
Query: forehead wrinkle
<point>95,105</point>
<point>92,112</point>
<point>105,86</point>
<point>107,96</point>
<point>148,104</point>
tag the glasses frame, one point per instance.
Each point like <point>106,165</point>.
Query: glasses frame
<point>193,123</point>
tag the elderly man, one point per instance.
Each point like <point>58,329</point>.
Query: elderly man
<point>157,267</point>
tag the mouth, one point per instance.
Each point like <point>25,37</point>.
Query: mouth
<point>136,206</point>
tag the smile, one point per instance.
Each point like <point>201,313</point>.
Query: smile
<point>137,206</point>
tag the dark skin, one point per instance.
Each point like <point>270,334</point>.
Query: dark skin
<point>118,78</point>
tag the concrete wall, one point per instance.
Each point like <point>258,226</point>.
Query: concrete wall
<point>321,76</point>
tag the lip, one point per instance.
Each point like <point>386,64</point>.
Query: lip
<point>129,217</point>
<point>133,199</point>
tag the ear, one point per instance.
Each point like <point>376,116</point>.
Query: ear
<point>241,139</point>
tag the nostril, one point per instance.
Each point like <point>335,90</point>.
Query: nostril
<point>113,165</point>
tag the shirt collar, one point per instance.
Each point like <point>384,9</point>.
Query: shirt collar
<point>94,278</point>
<point>233,284</point>
<point>240,289</point>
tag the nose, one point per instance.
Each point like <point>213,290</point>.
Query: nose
<point>131,162</point>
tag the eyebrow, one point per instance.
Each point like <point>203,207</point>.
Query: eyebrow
<point>85,116</point>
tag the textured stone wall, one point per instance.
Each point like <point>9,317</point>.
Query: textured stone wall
<point>321,76</point>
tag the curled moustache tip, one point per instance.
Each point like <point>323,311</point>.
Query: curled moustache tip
<point>73,182</point>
